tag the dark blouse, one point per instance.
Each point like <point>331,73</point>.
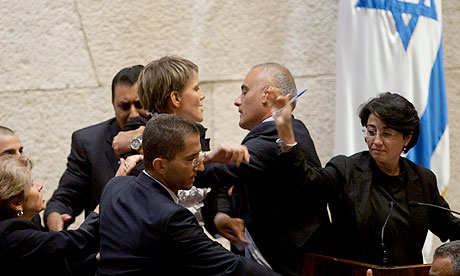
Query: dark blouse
<point>25,249</point>
<point>386,189</point>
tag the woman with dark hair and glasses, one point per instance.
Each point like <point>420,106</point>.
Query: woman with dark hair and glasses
<point>373,195</point>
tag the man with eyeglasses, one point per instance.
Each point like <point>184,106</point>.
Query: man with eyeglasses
<point>143,229</point>
<point>92,161</point>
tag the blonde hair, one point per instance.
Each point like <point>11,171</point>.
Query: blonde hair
<point>15,180</point>
<point>161,77</point>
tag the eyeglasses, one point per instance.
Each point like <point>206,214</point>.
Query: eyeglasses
<point>371,133</point>
<point>197,161</point>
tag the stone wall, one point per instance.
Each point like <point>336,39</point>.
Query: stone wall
<point>59,57</point>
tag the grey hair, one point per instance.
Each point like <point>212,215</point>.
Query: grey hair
<point>281,77</point>
<point>450,250</point>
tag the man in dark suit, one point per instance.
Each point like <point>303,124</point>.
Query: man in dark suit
<point>9,142</point>
<point>92,161</point>
<point>143,229</point>
<point>282,222</point>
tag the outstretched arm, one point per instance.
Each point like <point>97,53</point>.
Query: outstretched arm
<point>228,154</point>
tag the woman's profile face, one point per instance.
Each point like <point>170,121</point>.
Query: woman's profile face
<point>385,144</point>
<point>191,101</point>
<point>33,201</point>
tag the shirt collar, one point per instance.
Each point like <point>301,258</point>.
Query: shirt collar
<point>269,119</point>
<point>173,195</point>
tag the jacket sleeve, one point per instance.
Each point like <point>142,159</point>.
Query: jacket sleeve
<point>201,256</point>
<point>327,181</point>
<point>74,186</point>
<point>22,240</point>
<point>442,223</point>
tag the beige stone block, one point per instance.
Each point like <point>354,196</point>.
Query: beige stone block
<point>45,120</point>
<point>224,38</point>
<point>316,109</point>
<point>452,194</point>
<point>451,33</point>
<point>43,46</point>
<point>223,120</point>
<point>453,102</point>
<point>208,112</point>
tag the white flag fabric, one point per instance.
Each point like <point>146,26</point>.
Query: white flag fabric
<point>396,46</point>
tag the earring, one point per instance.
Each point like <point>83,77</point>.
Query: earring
<point>20,213</point>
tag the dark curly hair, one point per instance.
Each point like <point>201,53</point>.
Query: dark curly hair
<point>396,112</point>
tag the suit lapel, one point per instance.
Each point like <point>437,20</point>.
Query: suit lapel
<point>109,153</point>
<point>414,193</point>
<point>361,189</point>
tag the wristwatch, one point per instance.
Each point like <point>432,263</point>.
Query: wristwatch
<point>136,143</point>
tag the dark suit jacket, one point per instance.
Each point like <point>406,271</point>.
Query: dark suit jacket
<point>90,165</point>
<point>143,232</point>
<point>280,219</point>
<point>347,182</point>
<point>27,250</point>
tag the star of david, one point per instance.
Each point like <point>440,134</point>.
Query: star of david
<point>398,8</point>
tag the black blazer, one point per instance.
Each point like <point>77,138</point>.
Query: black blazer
<point>90,165</point>
<point>347,183</point>
<point>280,219</point>
<point>25,249</point>
<point>143,232</point>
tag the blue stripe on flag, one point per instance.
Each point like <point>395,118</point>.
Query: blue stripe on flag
<point>398,8</point>
<point>434,119</point>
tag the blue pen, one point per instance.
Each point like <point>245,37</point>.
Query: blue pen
<point>291,101</point>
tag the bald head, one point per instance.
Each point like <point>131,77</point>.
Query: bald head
<point>9,142</point>
<point>280,77</point>
<point>446,260</point>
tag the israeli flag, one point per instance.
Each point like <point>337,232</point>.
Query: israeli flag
<point>396,46</point>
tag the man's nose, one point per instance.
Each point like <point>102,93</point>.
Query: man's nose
<point>237,101</point>
<point>133,112</point>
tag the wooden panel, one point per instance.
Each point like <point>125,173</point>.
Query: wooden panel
<point>319,265</point>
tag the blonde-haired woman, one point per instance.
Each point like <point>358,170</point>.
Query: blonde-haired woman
<point>26,248</point>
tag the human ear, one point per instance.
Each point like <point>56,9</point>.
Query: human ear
<point>160,165</point>
<point>408,138</point>
<point>16,204</point>
<point>270,93</point>
<point>265,95</point>
<point>175,99</point>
